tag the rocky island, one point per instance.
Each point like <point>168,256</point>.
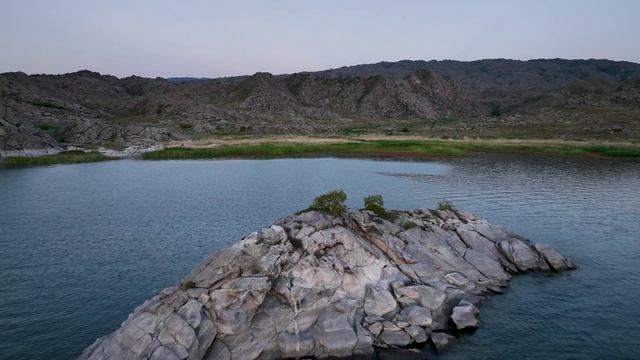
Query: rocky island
<point>332,282</point>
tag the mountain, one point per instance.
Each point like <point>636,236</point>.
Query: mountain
<point>536,98</point>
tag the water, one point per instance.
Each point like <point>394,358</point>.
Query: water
<point>82,245</point>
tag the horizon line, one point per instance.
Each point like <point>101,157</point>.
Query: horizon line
<point>312,71</point>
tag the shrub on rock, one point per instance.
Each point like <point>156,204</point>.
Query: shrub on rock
<point>446,205</point>
<point>331,203</point>
<point>375,204</point>
<point>373,200</point>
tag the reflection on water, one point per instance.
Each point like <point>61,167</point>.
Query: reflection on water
<point>82,245</point>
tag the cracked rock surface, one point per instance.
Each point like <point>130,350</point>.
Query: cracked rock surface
<point>316,286</point>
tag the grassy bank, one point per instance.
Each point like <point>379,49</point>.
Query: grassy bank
<point>393,148</point>
<point>352,148</point>
<point>65,157</point>
<point>548,148</point>
<point>276,150</point>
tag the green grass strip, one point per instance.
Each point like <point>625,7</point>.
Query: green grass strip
<point>65,157</point>
<point>389,148</point>
<point>275,150</point>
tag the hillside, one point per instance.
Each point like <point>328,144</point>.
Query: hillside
<point>574,99</point>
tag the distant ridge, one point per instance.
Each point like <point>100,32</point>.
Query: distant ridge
<point>541,98</point>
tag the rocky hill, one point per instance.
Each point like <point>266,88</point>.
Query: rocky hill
<point>315,285</point>
<point>569,98</point>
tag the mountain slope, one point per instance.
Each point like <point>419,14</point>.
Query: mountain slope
<point>593,98</point>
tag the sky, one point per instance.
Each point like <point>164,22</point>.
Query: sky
<point>226,38</point>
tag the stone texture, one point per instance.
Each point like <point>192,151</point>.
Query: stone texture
<point>441,341</point>
<point>553,258</point>
<point>379,301</point>
<point>396,338</point>
<point>317,286</point>
<point>464,316</point>
<point>416,315</point>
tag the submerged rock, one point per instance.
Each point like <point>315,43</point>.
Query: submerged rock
<point>317,286</point>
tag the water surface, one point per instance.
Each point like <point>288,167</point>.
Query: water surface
<point>82,245</point>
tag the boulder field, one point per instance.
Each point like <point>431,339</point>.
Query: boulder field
<point>314,285</point>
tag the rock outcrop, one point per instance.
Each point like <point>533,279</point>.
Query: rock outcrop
<point>313,285</point>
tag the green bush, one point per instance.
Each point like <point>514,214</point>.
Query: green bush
<point>375,204</point>
<point>373,200</point>
<point>64,157</point>
<point>446,205</point>
<point>409,225</point>
<point>331,203</point>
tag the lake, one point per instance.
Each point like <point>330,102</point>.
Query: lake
<point>82,245</point>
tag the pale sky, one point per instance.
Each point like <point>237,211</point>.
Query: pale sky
<point>225,38</point>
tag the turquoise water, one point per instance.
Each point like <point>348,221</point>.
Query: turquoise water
<point>82,245</point>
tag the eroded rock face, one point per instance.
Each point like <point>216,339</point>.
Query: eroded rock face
<point>317,286</point>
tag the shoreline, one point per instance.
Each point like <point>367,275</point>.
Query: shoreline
<point>377,146</point>
<point>386,146</point>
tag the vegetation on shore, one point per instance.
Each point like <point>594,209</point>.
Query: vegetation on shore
<point>428,148</point>
<point>65,157</point>
<point>275,150</point>
<point>393,148</point>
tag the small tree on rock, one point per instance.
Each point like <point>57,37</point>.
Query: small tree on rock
<point>446,205</point>
<point>331,203</point>
<point>373,200</point>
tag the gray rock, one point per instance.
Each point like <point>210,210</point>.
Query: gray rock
<point>190,312</point>
<point>218,351</point>
<point>164,353</point>
<point>376,328</point>
<point>553,258</point>
<point>464,316</point>
<point>427,296</point>
<point>441,341</point>
<point>379,301</point>
<point>521,254</point>
<point>334,333</point>
<point>487,265</point>
<point>295,346</point>
<point>315,219</point>
<point>417,334</point>
<point>206,333</point>
<point>416,315</point>
<point>329,287</point>
<point>396,337</point>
